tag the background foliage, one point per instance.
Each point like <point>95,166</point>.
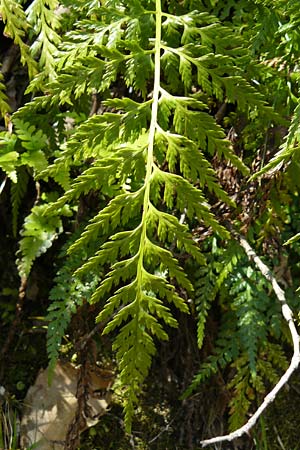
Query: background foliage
<point>133,133</point>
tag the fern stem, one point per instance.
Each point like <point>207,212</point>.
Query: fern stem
<point>156,92</point>
<point>153,127</point>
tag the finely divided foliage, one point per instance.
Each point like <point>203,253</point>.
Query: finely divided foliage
<point>129,154</point>
<point>129,150</point>
<point>128,93</point>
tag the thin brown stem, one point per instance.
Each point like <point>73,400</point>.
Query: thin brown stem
<point>288,316</point>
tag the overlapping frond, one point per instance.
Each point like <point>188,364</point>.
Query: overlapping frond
<point>16,26</point>
<point>4,105</point>
<point>43,16</point>
<point>38,233</point>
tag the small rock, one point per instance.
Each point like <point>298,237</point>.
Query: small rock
<point>49,410</point>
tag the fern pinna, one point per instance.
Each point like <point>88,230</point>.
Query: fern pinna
<point>146,154</point>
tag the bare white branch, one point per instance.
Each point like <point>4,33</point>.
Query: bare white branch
<point>288,316</point>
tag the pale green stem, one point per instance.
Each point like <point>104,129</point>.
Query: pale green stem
<point>149,166</point>
<point>153,126</point>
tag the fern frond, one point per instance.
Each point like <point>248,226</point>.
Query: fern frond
<point>170,230</point>
<point>121,209</point>
<point>270,363</point>
<point>247,97</point>
<point>16,26</point>
<point>68,293</point>
<point>243,392</point>
<point>4,105</point>
<point>250,303</point>
<point>99,136</point>
<point>9,157</point>
<point>33,108</point>
<point>275,355</point>
<point>180,193</point>
<point>44,21</point>
<point>33,141</point>
<point>205,294</point>
<point>192,163</point>
<point>208,135</point>
<point>211,280</point>
<point>227,350</point>
<point>288,150</point>
<point>38,233</point>
<point>17,193</point>
<point>121,244</point>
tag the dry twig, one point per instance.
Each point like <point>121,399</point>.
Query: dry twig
<point>288,316</point>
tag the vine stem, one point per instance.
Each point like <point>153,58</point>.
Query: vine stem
<point>288,316</point>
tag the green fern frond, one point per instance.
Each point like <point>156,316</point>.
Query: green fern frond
<point>33,141</point>
<point>17,193</point>
<point>271,362</point>
<point>247,348</point>
<point>288,150</point>
<point>121,244</point>
<point>227,263</point>
<point>44,21</point>
<point>247,97</point>
<point>250,303</point>
<point>159,257</point>
<point>121,209</point>
<point>16,26</point>
<point>192,163</point>
<point>97,177</point>
<point>180,193</point>
<point>68,293</point>
<point>205,294</point>
<point>208,135</point>
<point>4,105</point>
<point>9,157</point>
<point>227,350</point>
<point>275,355</point>
<point>100,135</point>
<point>33,108</point>
<point>170,230</point>
<point>211,280</point>
<point>38,234</point>
<point>243,392</point>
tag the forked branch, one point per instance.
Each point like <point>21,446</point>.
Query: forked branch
<point>288,316</point>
